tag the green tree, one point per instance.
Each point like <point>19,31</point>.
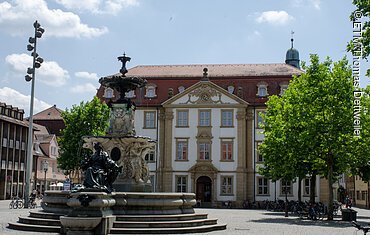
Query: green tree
<point>315,124</point>
<point>90,118</point>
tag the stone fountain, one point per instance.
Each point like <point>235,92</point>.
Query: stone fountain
<point>118,197</point>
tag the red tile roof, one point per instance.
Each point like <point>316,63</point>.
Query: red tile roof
<point>214,70</point>
<point>52,113</point>
<point>241,76</point>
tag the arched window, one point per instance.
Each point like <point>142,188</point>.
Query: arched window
<point>108,93</point>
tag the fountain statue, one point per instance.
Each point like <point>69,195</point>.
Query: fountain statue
<point>117,197</point>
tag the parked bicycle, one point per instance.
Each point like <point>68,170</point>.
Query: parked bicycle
<point>365,229</point>
<point>16,202</point>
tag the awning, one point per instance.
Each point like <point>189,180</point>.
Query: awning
<point>60,184</point>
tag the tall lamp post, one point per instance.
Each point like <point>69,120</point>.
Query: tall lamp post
<point>45,166</point>
<point>31,77</point>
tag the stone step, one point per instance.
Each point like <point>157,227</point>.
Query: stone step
<point>164,224</point>
<point>45,215</point>
<point>145,218</point>
<point>34,228</point>
<point>197,229</point>
<point>39,221</point>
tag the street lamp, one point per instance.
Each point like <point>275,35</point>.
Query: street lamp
<point>31,76</point>
<point>45,166</point>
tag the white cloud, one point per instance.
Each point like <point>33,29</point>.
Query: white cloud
<point>87,75</point>
<point>50,73</point>
<point>98,6</point>
<point>274,17</point>
<point>85,88</point>
<point>17,17</point>
<point>21,101</point>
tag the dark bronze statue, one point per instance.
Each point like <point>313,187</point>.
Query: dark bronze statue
<point>100,171</point>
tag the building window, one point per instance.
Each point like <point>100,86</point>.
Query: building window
<point>227,118</point>
<point>260,119</point>
<point>204,151</point>
<point>181,89</point>
<point>3,164</point>
<point>53,150</point>
<point>23,146</point>
<point>16,166</point>
<point>262,89</point>
<point>259,156</point>
<point>363,195</point>
<point>230,89</point>
<point>226,185</point>
<point>150,157</point>
<point>181,149</point>
<point>10,165</point>
<point>262,186</point>
<point>283,87</point>
<point>11,143</point>
<point>286,187</point>
<point>108,93</point>
<point>149,121</point>
<point>205,118</point>
<point>182,118</point>
<point>227,147</point>
<point>22,166</point>
<point>150,91</point>
<point>181,183</point>
<point>5,142</point>
<point>17,144</point>
<point>306,185</point>
<point>130,94</point>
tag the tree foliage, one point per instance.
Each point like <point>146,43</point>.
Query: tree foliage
<point>90,118</point>
<point>362,11</point>
<point>309,129</point>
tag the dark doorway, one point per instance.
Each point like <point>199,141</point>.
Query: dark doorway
<point>204,189</point>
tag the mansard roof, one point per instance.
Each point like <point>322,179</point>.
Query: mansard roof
<point>214,70</point>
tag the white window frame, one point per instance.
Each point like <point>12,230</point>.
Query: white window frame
<point>204,117</point>
<point>181,183</point>
<point>262,89</point>
<point>182,149</point>
<point>227,186</point>
<point>150,91</point>
<point>227,118</point>
<point>182,119</point>
<point>149,121</point>
<point>108,93</point>
<point>263,186</point>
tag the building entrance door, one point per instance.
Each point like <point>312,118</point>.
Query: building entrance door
<point>204,189</point>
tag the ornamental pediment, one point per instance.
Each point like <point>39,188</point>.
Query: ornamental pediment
<point>205,93</point>
<point>204,167</point>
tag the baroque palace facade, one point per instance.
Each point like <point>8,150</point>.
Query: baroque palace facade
<point>207,122</point>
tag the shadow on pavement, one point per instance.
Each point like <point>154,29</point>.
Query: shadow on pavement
<point>305,222</point>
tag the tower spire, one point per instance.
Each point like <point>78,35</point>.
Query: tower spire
<point>292,33</point>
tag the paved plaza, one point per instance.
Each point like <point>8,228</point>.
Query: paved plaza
<point>238,222</point>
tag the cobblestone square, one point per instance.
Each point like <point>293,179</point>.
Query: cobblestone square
<point>239,221</point>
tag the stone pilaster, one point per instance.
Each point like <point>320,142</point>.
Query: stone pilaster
<point>167,151</point>
<point>250,155</point>
<point>241,156</point>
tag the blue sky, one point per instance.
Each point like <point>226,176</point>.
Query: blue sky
<point>83,38</point>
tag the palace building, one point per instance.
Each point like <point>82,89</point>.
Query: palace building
<point>206,119</point>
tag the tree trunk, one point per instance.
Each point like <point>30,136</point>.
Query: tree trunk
<point>299,189</point>
<point>312,188</point>
<point>330,182</point>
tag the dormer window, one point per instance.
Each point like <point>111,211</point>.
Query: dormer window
<point>262,89</point>
<point>181,89</point>
<point>283,87</point>
<point>130,94</point>
<point>150,91</point>
<point>108,93</point>
<point>230,89</point>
